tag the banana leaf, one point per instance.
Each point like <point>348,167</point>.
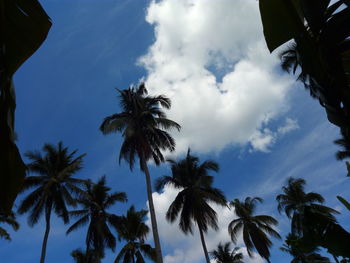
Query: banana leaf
<point>282,21</point>
<point>24,26</point>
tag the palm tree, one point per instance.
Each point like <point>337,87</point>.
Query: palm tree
<point>223,254</point>
<point>10,220</point>
<point>256,229</point>
<point>143,125</point>
<point>95,202</point>
<point>54,186</point>
<point>192,202</point>
<point>133,230</point>
<point>293,246</point>
<point>90,256</point>
<point>296,204</point>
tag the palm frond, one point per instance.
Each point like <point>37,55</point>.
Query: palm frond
<point>115,123</point>
<point>81,222</point>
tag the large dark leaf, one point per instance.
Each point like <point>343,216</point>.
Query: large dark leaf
<point>337,240</point>
<point>24,25</point>
<point>314,11</point>
<point>281,21</point>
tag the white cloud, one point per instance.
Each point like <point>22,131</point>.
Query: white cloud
<point>197,41</point>
<point>188,249</point>
<point>289,126</point>
<point>262,140</point>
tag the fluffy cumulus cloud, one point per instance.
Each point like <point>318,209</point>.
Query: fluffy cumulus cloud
<point>188,249</point>
<point>209,57</point>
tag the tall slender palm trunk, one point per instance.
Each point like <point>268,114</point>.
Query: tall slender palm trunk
<point>46,236</point>
<point>204,245</point>
<point>152,211</point>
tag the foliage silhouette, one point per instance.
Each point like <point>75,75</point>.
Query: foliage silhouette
<point>321,49</point>
<point>224,254</point>
<point>295,202</point>
<point>312,222</point>
<point>134,231</point>
<point>256,229</point>
<point>344,143</point>
<point>294,247</point>
<point>144,126</point>
<point>89,256</point>
<point>54,186</point>
<point>24,25</point>
<point>10,220</point>
<point>196,191</point>
<point>95,200</point>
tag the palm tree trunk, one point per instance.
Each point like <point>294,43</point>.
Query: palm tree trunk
<point>46,236</point>
<point>158,248</point>
<point>204,246</point>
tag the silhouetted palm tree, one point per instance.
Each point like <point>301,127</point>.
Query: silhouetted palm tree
<point>134,231</point>
<point>54,186</point>
<point>296,203</point>
<point>192,202</point>
<point>10,220</point>
<point>293,247</point>
<point>89,256</point>
<point>224,254</point>
<point>95,202</point>
<point>143,125</point>
<point>256,229</point>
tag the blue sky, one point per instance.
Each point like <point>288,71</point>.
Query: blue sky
<point>228,93</point>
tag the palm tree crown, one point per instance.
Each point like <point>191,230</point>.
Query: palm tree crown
<point>54,185</point>
<point>134,231</point>
<point>95,202</point>
<point>196,191</point>
<point>142,123</point>
<point>192,202</point>
<point>223,254</point>
<point>296,203</point>
<point>255,228</point>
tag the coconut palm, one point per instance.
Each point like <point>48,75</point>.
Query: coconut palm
<point>224,254</point>
<point>134,231</point>
<point>54,186</point>
<point>95,201</point>
<point>143,125</point>
<point>256,229</point>
<point>296,204</point>
<point>89,256</point>
<point>191,204</point>
<point>293,246</point>
<point>10,220</point>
